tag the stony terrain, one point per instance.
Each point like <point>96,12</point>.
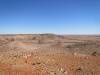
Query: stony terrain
<point>49,54</point>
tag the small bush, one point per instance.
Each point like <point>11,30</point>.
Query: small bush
<point>94,53</point>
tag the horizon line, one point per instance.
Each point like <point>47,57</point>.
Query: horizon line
<point>43,33</point>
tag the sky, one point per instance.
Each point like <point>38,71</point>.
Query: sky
<point>50,16</point>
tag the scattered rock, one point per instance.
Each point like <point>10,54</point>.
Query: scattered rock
<point>79,69</point>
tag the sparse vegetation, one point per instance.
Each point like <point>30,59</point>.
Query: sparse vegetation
<point>60,55</point>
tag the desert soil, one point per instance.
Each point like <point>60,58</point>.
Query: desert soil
<point>49,54</point>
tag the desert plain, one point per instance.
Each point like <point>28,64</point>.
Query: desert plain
<point>49,54</point>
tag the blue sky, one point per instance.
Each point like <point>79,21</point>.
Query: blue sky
<point>50,16</point>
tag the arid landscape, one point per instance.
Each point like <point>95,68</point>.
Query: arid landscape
<point>49,54</point>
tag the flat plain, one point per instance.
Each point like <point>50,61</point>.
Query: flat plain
<point>49,54</point>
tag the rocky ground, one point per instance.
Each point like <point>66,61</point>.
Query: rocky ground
<point>49,54</point>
